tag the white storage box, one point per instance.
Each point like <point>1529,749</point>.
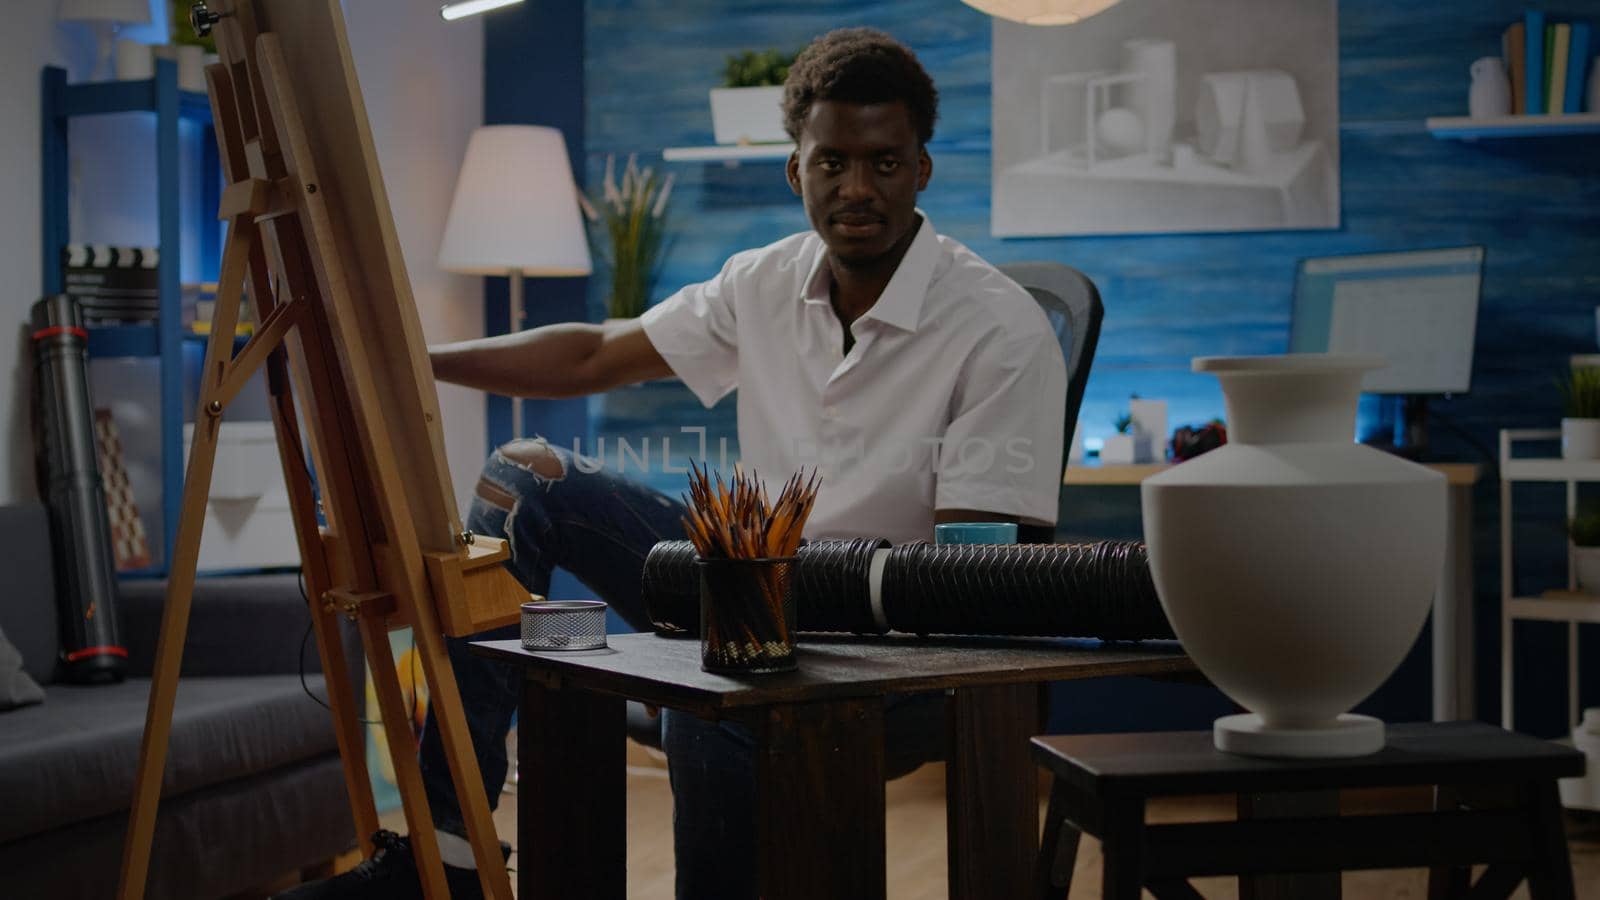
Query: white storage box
<point>248,523</point>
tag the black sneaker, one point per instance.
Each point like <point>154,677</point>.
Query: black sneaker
<point>390,874</point>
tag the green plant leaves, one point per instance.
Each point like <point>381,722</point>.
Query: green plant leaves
<point>1580,393</point>
<point>757,68</point>
<point>628,226</point>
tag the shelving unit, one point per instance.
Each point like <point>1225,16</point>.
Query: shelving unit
<point>60,102</point>
<point>732,154</point>
<point>1567,606</point>
<point>1466,128</point>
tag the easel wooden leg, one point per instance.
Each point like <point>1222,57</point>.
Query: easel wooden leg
<point>403,753</point>
<point>451,719</point>
<point>314,566</point>
<point>182,558</point>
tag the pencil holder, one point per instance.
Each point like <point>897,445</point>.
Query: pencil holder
<point>747,621</point>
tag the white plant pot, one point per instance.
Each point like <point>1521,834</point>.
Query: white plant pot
<point>1118,450</point>
<point>1586,569</point>
<point>1296,566</point>
<point>750,115</point>
<point>1580,438</point>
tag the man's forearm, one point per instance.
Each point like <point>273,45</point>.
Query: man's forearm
<point>546,362</point>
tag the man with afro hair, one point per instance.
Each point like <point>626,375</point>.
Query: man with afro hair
<point>923,385</point>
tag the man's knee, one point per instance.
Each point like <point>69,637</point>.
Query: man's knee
<point>534,455</point>
<point>537,456</point>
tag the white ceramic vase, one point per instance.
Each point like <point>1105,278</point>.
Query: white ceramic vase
<point>1295,565</point>
<point>1490,94</point>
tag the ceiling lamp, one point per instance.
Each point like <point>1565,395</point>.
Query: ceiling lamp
<point>1042,12</point>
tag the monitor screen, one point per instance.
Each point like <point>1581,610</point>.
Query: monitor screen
<point>1417,309</point>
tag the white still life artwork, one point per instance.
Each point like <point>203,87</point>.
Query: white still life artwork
<point>1168,116</point>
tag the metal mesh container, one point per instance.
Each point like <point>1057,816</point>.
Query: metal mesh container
<point>564,625</point>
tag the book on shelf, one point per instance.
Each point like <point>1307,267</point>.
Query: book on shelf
<point>1577,68</point>
<point>1533,54</point>
<point>1513,45</point>
<point>1560,40</point>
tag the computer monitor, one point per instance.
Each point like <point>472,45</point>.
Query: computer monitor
<point>1417,309</point>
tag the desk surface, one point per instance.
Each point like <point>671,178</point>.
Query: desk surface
<point>666,671</point>
<point>1459,474</point>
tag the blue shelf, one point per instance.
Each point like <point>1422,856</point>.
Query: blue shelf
<point>163,339</point>
<point>123,341</point>
<point>1465,128</point>
<point>141,340</point>
<point>98,98</point>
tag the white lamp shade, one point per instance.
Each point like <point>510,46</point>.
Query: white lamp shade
<point>515,207</point>
<point>129,12</point>
<point>1042,12</point>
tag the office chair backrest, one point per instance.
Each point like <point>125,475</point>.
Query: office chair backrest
<point>1072,304</point>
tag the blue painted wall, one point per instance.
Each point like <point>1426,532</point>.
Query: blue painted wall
<point>1534,204</point>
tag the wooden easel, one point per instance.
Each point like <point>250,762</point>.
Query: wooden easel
<point>312,243</point>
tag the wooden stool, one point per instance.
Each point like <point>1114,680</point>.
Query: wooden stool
<point>1495,803</point>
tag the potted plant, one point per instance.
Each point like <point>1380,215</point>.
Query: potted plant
<point>628,225</point>
<point>747,109</point>
<point>1584,532</point>
<point>1580,427</point>
<point>628,235</point>
<point>1118,448</point>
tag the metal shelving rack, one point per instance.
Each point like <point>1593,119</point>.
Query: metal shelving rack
<point>60,102</point>
<point>1567,606</point>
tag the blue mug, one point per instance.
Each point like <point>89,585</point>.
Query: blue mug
<point>975,533</point>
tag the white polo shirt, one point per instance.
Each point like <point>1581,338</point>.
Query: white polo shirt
<point>952,396</point>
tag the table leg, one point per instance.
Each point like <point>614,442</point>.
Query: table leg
<point>1550,874</point>
<point>991,791</point>
<point>1448,881</point>
<point>1122,849</point>
<point>1284,805</point>
<point>820,800</point>
<point>1058,850</point>
<point>572,835</point>
<point>1453,688</point>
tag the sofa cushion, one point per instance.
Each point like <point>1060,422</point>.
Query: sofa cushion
<point>74,757</point>
<point>16,688</point>
<point>215,842</point>
<point>28,603</point>
<point>238,625</point>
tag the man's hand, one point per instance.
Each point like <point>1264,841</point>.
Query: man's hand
<point>565,360</point>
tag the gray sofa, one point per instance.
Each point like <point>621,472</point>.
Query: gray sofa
<point>253,786</point>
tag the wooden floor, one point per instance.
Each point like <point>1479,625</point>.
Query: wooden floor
<point>916,839</point>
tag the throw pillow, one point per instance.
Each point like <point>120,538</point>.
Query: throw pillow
<point>16,688</point>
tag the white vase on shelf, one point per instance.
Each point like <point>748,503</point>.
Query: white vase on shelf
<point>1490,94</point>
<point>1295,565</point>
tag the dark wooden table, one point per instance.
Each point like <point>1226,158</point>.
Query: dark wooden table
<point>819,754</point>
<point>1496,803</point>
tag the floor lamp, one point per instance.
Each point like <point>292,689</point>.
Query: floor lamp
<point>515,213</point>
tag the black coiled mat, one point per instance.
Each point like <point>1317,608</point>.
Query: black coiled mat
<point>1099,590</point>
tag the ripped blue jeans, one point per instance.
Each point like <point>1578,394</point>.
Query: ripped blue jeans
<point>599,526</point>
